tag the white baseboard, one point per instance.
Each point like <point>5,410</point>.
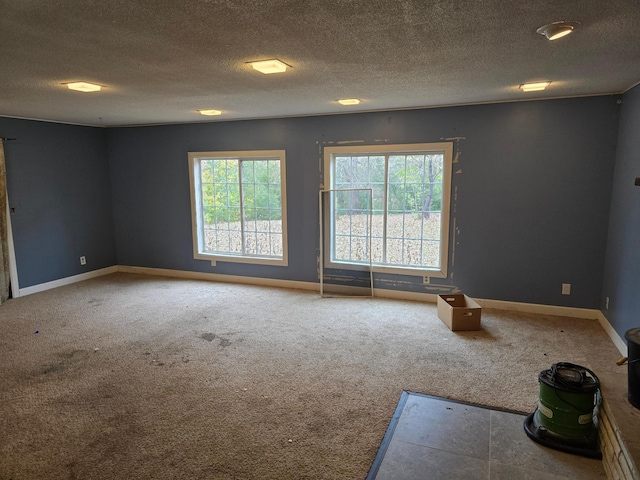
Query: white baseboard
<point>66,281</point>
<point>271,282</point>
<point>377,292</point>
<point>613,335</point>
<point>216,277</point>
<point>402,295</point>
<point>584,313</point>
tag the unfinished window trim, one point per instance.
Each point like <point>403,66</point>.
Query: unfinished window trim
<point>322,204</point>
<point>197,218</point>
<point>446,149</point>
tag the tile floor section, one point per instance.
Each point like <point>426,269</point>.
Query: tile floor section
<point>434,438</point>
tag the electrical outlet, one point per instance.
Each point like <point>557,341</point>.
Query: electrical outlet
<point>566,289</point>
<point>425,280</point>
<point>83,260</point>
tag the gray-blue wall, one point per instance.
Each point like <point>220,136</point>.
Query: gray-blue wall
<point>59,190</point>
<point>622,272</point>
<point>532,190</point>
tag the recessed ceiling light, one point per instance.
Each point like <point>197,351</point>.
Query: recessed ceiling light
<point>269,66</point>
<point>349,101</point>
<point>210,112</point>
<point>83,87</point>
<point>556,30</point>
<point>534,87</point>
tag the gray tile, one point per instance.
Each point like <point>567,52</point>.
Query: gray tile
<point>439,439</point>
<point>407,461</point>
<point>498,471</point>
<point>450,426</point>
<point>511,446</point>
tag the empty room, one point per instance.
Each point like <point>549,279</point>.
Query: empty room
<point>234,236</point>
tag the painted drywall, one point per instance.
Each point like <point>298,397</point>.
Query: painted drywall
<point>622,267</point>
<point>60,199</point>
<point>531,192</point>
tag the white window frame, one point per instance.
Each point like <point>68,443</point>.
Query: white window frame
<point>197,221</point>
<point>404,149</point>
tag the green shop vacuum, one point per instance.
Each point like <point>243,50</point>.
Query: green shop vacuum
<point>564,418</point>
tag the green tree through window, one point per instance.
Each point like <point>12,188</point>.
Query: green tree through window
<point>410,206</point>
<point>238,204</point>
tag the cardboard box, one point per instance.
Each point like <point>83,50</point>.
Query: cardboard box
<point>459,312</point>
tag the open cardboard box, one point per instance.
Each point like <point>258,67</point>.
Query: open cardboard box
<point>459,312</point>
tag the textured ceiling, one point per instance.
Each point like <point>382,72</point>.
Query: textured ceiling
<point>162,60</point>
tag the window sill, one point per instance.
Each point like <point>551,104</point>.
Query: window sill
<point>394,270</point>
<point>257,260</point>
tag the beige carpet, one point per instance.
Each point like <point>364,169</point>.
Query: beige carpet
<point>130,376</point>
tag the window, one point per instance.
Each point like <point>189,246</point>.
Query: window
<point>400,222</point>
<point>238,206</point>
